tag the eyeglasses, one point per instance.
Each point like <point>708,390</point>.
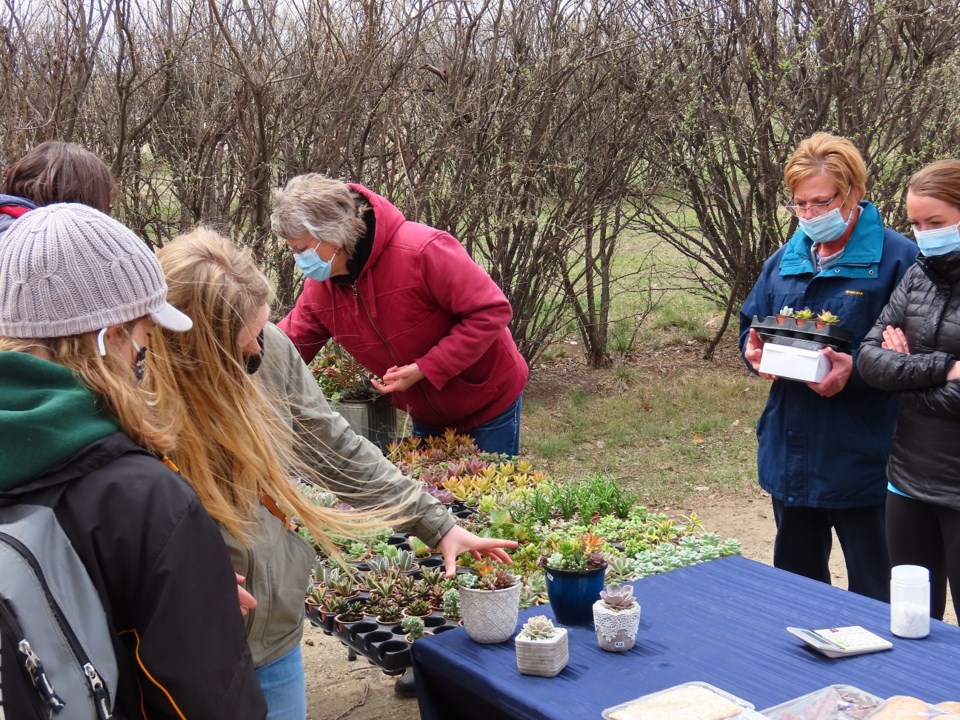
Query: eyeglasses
<point>811,209</point>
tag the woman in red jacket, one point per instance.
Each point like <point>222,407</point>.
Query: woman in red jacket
<point>408,302</point>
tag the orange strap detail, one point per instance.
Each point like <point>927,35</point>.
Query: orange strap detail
<point>270,504</point>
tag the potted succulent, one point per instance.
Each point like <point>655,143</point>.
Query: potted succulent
<point>801,316</point>
<point>825,318</point>
<point>575,570</point>
<point>346,384</point>
<point>616,617</point>
<point>785,313</point>
<point>390,612</point>
<point>352,615</point>
<point>418,607</point>
<point>315,598</point>
<point>542,647</point>
<point>451,604</point>
<point>413,628</point>
<point>489,602</point>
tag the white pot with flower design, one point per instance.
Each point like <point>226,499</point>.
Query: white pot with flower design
<point>616,618</point>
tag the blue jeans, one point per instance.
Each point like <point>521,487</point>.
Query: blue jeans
<point>500,435</point>
<point>284,687</point>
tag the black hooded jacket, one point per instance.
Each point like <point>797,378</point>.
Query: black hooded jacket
<point>153,553</point>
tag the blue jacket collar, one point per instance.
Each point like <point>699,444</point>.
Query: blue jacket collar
<point>863,249</point>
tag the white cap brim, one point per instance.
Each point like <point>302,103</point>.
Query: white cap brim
<point>172,319</point>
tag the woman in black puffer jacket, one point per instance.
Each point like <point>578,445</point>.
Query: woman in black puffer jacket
<point>912,351</point>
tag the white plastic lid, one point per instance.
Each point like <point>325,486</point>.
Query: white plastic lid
<point>910,574</point>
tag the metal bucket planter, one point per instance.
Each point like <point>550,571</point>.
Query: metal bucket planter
<point>374,419</point>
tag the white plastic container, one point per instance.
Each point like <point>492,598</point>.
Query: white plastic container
<point>910,601</point>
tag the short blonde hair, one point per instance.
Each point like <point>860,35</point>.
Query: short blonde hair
<point>940,180</point>
<point>825,153</point>
<point>319,206</point>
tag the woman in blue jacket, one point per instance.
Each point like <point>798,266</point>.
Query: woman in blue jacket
<point>823,446</point>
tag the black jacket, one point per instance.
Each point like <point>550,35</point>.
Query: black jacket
<point>165,581</point>
<point>925,460</point>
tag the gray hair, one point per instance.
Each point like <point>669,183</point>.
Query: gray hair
<point>319,206</point>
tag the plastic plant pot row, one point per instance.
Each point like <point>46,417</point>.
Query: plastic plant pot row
<point>809,334</point>
<point>383,645</point>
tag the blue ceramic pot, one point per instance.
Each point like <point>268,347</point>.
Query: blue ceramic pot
<point>573,593</point>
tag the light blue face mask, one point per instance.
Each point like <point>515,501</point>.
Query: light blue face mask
<point>938,241</point>
<point>312,265</point>
<point>826,228</point>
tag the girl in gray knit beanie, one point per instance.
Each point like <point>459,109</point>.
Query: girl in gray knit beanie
<point>79,293</point>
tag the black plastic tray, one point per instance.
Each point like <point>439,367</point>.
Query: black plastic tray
<point>802,333</point>
<point>382,645</point>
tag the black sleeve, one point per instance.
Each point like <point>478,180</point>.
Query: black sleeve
<point>170,590</point>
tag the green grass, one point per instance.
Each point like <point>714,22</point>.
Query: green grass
<point>669,437</point>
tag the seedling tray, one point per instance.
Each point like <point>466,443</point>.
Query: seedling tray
<point>383,645</point>
<point>806,334</point>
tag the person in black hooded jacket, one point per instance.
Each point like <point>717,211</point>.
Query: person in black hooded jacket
<point>912,351</point>
<point>79,293</point>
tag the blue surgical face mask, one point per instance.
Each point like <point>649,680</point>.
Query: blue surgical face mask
<point>938,241</point>
<point>312,265</point>
<point>826,228</point>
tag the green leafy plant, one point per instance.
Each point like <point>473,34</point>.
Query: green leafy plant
<point>340,376</point>
<point>578,554</point>
<point>390,612</point>
<point>805,314</point>
<point>420,548</point>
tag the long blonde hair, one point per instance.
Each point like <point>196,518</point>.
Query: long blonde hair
<point>233,447</point>
<point>112,381</point>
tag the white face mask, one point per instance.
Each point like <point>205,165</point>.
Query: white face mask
<point>826,228</point>
<point>938,241</point>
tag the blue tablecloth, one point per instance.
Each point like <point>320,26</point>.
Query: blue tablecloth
<point>722,622</point>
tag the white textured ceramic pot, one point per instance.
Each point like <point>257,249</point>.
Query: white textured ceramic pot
<point>616,629</point>
<point>490,616</point>
<point>542,656</point>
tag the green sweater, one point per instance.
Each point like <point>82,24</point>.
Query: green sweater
<point>46,416</point>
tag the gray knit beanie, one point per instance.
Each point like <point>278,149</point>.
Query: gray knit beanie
<point>67,269</point>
